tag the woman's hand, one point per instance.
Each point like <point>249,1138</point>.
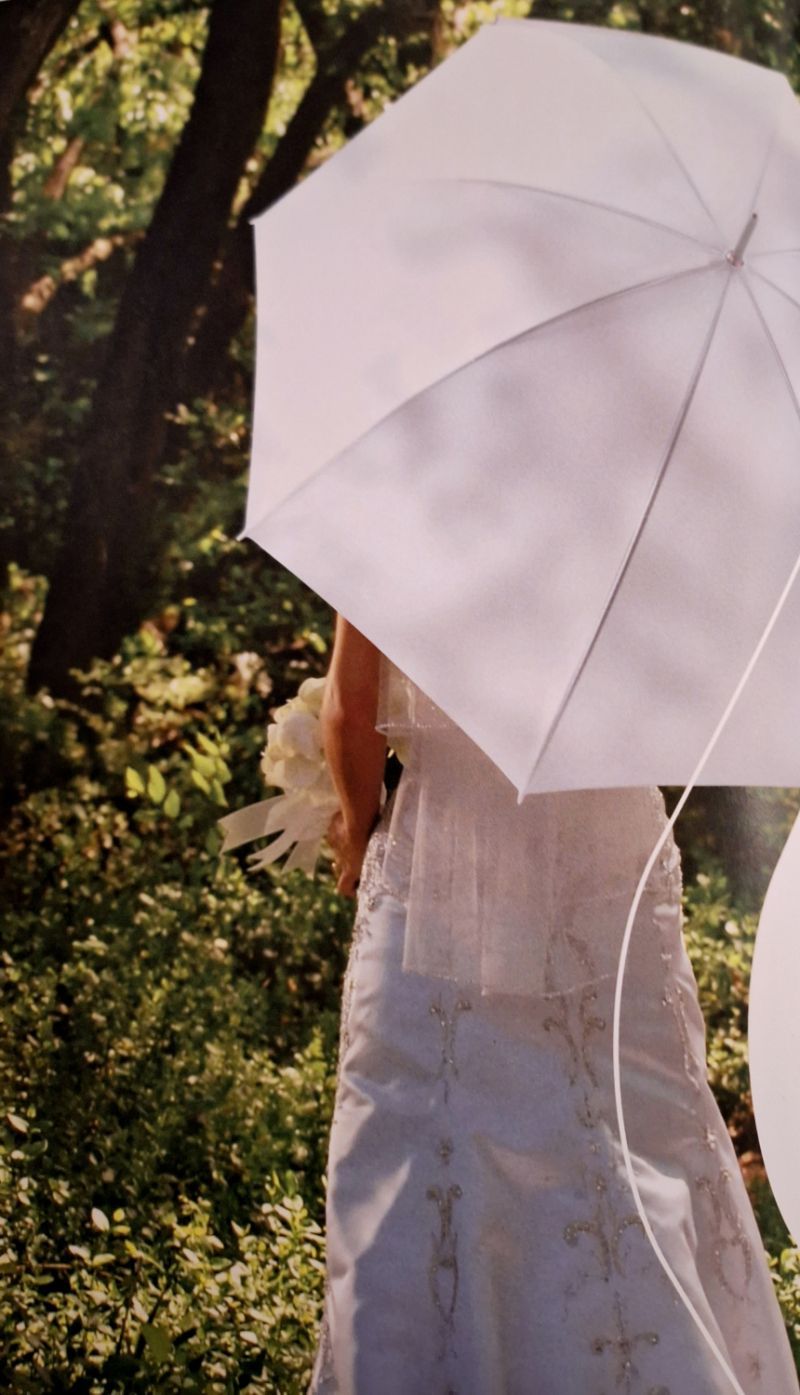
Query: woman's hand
<point>349,849</point>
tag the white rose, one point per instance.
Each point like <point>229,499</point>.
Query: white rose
<point>311,693</point>
<point>290,771</point>
<point>323,790</point>
<point>297,733</point>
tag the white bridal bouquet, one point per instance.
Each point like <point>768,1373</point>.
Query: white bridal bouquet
<point>293,760</point>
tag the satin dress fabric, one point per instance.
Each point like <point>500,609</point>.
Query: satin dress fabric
<point>482,1236</point>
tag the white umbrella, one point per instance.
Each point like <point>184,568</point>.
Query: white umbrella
<point>528,418</point>
<point>526,409</point>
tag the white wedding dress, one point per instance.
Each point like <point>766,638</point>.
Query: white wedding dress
<point>482,1236</point>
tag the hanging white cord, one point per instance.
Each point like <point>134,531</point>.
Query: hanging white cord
<point>674,1280</point>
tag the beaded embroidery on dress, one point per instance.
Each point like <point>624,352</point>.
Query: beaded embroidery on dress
<point>482,1237</point>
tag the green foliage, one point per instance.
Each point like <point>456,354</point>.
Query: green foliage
<point>179,1308</point>
<point>168,1023</point>
<point>720,944</point>
<point>122,95</point>
<point>720,941</point>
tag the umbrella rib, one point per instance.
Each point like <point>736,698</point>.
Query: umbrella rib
<point>637,533</point>
<point>248,530</point>
<point>573,198</point>
<point>668,143</point>
<point>776,125</point>
<point>775,287</point>
<point>771,341</point>
<point>665,138</point>
<point>768,153</point>
<point>575,310</point>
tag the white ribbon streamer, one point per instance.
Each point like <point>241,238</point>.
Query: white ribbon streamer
<point>298,819</point>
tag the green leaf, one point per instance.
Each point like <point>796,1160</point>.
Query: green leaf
<point>315,640</point>
<point>218,793</point>
<point>158,1341</point>
<point>134,784</point>
<point>156,785</point>
<point>200,781</point>
<point>213,842</point>
<point>172,804</point>
<point>204,764</point>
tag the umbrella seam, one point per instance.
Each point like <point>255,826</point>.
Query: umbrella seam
<point>560,194</point>
<point>637,533</point>
<point>770,143</point>
<point>629,87</point>
<point>773,345</point>
<point>250,529</point>
<point>775,287</point>
<point>776,126</point>
<point>627,83</point>
<point>677,159</point>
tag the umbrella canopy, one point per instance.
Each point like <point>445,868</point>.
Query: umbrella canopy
<point>526,405</point>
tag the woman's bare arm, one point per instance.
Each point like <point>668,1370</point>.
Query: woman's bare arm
<point>354,750</point>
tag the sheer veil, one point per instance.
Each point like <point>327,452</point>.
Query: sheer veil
<point>498,894</point>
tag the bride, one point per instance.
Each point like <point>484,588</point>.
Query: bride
<point>482,1236</point>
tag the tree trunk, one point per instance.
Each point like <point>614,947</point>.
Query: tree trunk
<point>28,30</point>
<point>8,338</point>
<point>232,292</point>
<point>101,575</point>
